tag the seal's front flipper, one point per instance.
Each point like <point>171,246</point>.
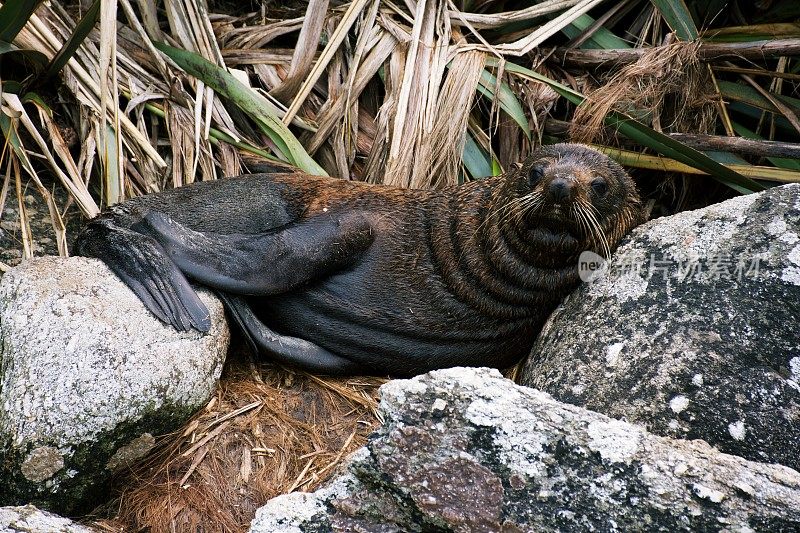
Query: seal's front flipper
<point>140,262</point>
<point>264,263</point>
<point>290,350</point>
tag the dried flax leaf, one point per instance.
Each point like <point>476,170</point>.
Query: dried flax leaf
<point>784,109</point>
<point>255,37</point>
<point>268,74</point>
<point>40,33</point>
<point>57,222</point>
<point>189,20</point>
<point>496,20</point>
<point>367,70</point>
<point>272,57</point>
<point>198,123</point>
<point>252,103</point>
<point>12,114</point>
<point>376,161</point>
<point>665,164</point>
<point>149,13</point>
<point>305,50</point>
<point>110,137</point>
<point>24,221</point>
<point>417,101</point>
<point>336,75</point>
<point>368,34</point>
<point>88,146</point>
<point>539,35</point>
<point>139,167</point>
<point>146,30</point>
<point>407,104</point>
<point>401,32</point>
<point>71,177</point>
<point>180,24</point>
<point>776,87</point>
<point>228,159</point>
<point>481,139</point>
<point>348,19</point>
<point>539,100</point>
<point>449,132</point>
<point>6,182</point>
<point>73,184</point>
<point>180,127</point>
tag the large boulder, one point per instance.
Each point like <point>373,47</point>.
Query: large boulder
<point>88,378</point>
<point>693,330</point>
<point>467,450</point>
<point>29,519</point>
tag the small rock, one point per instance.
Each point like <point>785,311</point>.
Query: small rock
<point>711,495</point>
<point>29,519</point>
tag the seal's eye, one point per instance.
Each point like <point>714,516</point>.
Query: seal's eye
<point>536,173</point>
<point>600,187</point>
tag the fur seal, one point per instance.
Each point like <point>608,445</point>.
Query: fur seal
<point>343,277</point>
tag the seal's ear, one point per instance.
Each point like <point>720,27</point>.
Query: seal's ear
<point>647,210</point>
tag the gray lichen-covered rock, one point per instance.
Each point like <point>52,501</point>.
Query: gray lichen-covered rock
<point>693,331</point>
<point>87,378</point>
<point>466,450</point>
<point>29,519</point>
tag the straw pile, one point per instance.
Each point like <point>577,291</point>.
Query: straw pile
<point>266,431</point>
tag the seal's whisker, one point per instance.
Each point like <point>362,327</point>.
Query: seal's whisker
<point>606,237</point>
<point>533,202</point>
<point>581,220</point>
<point>576,216</point>
<point>591,230</point>
<point>580,208</point>
<point>600,234</point>
<point>505,213</point>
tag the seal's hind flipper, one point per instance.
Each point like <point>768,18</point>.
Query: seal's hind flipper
<point>265,263</point>
<point>140,261</point>
<point>284,349</point>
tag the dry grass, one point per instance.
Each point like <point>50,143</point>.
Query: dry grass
<point>267,431</point>
<point>666,83</point>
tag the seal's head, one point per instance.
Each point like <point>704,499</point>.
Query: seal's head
<point>570,191</point>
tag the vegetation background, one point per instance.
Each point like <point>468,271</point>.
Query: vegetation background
<point>104,100</point>
<point>110,99</point>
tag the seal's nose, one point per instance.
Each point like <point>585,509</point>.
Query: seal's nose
<point>561,190</point>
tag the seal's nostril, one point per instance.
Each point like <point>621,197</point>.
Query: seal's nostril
<point>560,190</point>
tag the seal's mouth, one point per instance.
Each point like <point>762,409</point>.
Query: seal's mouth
<point>555,220</point>
<point>551,227</point>
<point>553,223</point>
